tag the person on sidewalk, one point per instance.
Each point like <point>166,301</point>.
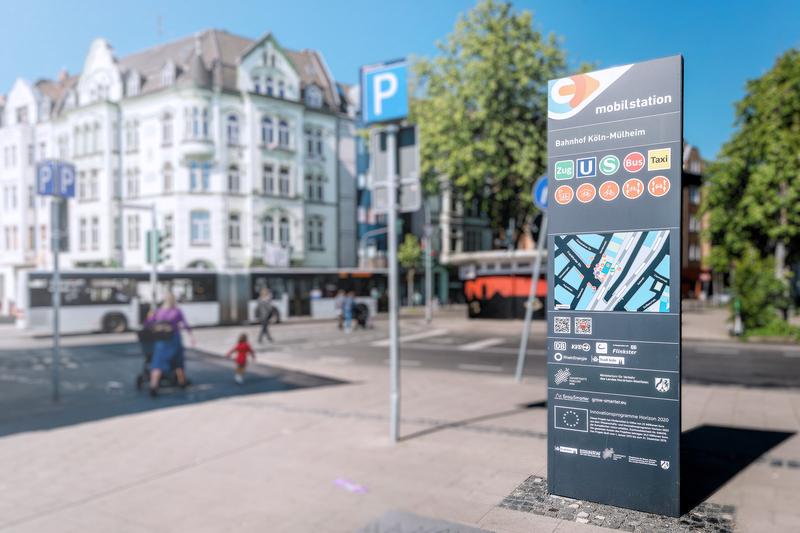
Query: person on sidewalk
<point>168,351</point>
<point>264,313</point>
<point>338,305</point>
<point>348,308</point>
<point>242,350</point>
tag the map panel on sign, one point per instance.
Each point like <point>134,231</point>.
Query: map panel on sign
<point>622,271</point>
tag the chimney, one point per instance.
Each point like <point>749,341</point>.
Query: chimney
<point>63,75</point>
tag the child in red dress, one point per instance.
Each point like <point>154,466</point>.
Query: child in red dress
<point>242,350</point>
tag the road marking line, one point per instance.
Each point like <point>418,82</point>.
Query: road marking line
<point>480,368</point>
<point>481,344</point>
<point>413,337</point>
<point>335,359</point>
<point>406,362</point>
<point>791,354</point>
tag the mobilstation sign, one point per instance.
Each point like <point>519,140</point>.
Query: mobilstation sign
<point>615,141</point>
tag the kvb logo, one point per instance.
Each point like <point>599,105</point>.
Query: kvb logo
<point>568,96</point>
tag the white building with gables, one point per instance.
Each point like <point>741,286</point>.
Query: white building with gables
<point>243,146</point>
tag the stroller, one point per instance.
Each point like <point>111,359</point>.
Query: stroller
<point>146,341</point>
<point>361,315</point>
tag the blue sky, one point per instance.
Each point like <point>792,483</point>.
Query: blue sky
<point>724,43</point>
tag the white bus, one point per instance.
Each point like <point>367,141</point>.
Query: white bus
<point>110,300</point>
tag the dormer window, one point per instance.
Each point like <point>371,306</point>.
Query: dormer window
<point>281,89</point>
<point>313,96</point>
<point>168,74</point>
<point>133,84</point>
<point>256,85</point>
<point>269,85</point>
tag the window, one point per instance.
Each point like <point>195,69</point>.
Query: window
<point>694,223</point>
<point>315,185</point>
<point>269,85</point>
<point>131,136</point>
<point>115,138</point>
<point>309,186</point>
<point>284,231</point>
<point>133,232</point>
<point>132,185</point>
<point>309,141</point>
<point>94,184</point>
<point>43,237</point>
<point>205,123</point>
<point>283,181</point>
<point>96,144</point>
<point>31,197</point>
<point>31,237</point>
<point>22,115</point>
<point>268,229</point>
<point>283,134</point>
<point>117,184</point>
<point>43,149</point>
<point>95,233</point>
<point>168,224</point>
<point>233,130</point>
<point>31,154</point>
<point>315,233</point>
<point>168,74</point>
<point>200,229</point>
<point>281,89</point>
<point>318,138</point>
<point>268,180</point>
<point>233,179</point>
<point>199,176</point>
<point>81,185</point>
<point>132,88</point>
<point>256,84</point>
<point>266,131</point>
<point>166,129</point>
<point>196,126</point>
<point>313,96</point>
<point>234,230</point>
<point>82,234</point>
<point>168,178</point>
<point>694,194</point>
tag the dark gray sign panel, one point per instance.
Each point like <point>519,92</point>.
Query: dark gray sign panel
<point>615,144</point>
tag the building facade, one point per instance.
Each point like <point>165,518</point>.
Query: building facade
<point>243,146</point>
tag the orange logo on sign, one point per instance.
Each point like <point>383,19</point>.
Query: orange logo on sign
<point>564,194</point>
<point>609,190</point>
<point>585,193</point>
<point>658,186</point>
<point>633,188</point>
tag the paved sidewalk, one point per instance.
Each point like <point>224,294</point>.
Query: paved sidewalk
<point>319,459</point>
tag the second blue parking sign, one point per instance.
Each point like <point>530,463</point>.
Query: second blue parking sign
<point>615,141</point>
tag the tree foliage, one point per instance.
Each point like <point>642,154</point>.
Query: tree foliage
<point>481,108</point>
<point>754,186</point>
<point>756,288</point>
<point>409,255</point>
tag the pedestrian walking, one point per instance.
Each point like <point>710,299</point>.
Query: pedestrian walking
<point>264,313</point>
<point>167,322</point>
<point>242,350</point>
<point>348,308</point>
<point>338,305</point>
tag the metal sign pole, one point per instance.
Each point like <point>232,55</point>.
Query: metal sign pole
<point>56,288</point>
<point>153,256</point>
<point>428,266</point>
<point>537,267</point>
<point>394,348</point>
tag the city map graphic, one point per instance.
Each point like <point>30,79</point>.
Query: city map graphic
<point>624,271</point>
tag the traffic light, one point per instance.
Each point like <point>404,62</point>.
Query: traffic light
<point>163,245</point>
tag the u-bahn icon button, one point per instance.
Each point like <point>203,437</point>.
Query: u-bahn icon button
<point>658,186</point>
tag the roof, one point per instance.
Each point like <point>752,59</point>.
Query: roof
<point>210,56</point>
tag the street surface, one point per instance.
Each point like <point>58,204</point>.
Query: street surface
<point>303,444</point>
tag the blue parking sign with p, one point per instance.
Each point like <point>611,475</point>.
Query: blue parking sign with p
<point>54,178</point>
<point>384,91</point>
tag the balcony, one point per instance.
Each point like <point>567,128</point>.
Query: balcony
<point>197,148</point>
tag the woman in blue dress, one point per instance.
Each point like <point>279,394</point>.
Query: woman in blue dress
<point>168,354</point>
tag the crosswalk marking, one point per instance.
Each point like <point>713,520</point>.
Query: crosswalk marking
<point>481,344</point>
<point>413,337</point>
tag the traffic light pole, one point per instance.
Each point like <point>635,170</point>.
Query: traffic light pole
<point>153,249</point>
<point>394,338</point>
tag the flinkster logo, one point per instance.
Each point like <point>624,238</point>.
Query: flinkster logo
<point>568,96</point>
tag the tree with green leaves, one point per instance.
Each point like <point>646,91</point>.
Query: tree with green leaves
<point>481,109</point>
<point>754,186</point>
<point>409,255</point>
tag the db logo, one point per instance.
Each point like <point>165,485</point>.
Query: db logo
<point>658,186</point>
<point>633,188</point>
<point>634,162</point>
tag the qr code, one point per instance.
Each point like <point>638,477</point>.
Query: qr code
<point>583,326</point>
<point>561,324</point>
